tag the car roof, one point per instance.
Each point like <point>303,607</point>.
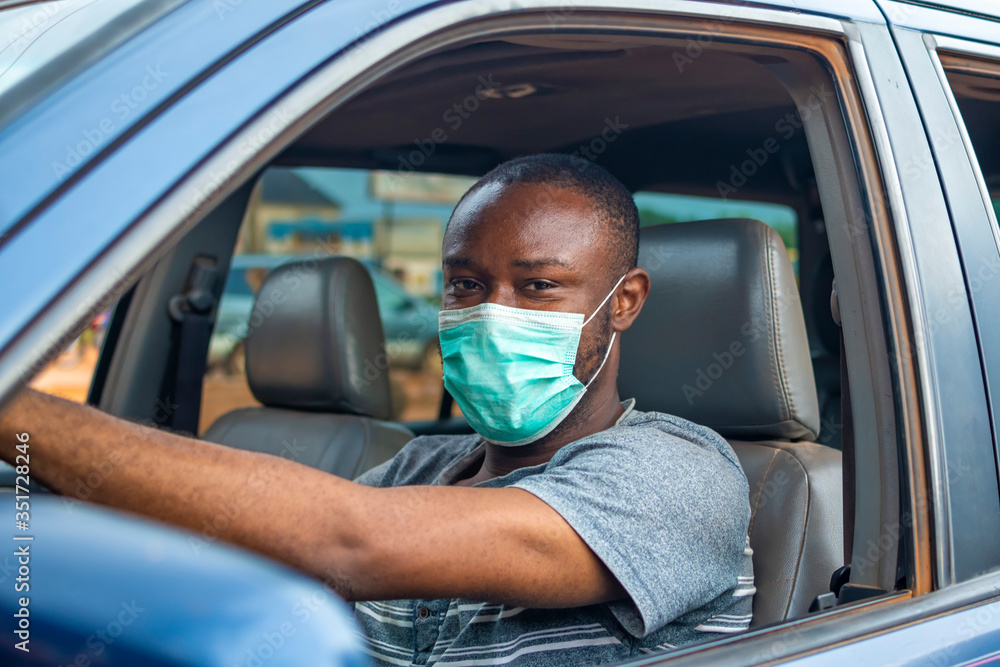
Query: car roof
<point>40,133</point>
<point>986,8</point>
<point>50,42</point>
<point>103,184</point>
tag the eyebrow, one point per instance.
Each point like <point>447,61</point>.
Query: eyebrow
<point>538,263</point>
<point>520,263</point>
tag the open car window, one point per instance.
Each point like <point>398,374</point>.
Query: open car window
<point>393,225</point>
<point>684,155</point>
<point>657,208</point>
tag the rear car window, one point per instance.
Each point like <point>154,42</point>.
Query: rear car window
<point>977,92</point>
<point>661,207</point>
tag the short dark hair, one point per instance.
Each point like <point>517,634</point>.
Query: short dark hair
<point>610,197</point>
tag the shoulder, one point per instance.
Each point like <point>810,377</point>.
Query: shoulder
<point>659,486</point>
<point>649,462</point>
<point>655,445</point>
<point>420,461</point>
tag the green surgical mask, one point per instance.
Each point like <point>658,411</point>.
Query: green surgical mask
<point>511,369</point>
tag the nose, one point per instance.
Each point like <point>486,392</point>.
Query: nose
<point>501,294</point>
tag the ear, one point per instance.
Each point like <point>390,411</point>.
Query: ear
<point>629,298</point>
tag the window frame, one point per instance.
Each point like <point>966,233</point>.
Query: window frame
<point>977,237</point>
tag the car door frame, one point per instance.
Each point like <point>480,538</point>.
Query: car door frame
<point>161,217</point>
<point>920,34</point>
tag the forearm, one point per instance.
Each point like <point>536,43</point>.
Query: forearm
<point>501,545</point>
<point>262,502</point>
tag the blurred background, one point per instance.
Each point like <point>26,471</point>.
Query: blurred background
<point>393,222</point>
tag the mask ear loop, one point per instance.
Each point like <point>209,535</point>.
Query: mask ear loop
<point>613,334</point>
<point>604,302</point>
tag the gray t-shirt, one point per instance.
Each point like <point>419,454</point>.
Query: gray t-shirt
<point>662,502</point>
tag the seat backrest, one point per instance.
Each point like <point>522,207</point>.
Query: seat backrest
<point>315,359</point>
<point>722,342</point>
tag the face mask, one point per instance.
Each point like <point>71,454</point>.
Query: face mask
<point>511,369</point>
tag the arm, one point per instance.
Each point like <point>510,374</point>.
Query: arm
<point>500,545</point>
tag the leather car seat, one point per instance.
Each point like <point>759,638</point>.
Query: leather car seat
<point>721,341</point>
<point>315,359</point>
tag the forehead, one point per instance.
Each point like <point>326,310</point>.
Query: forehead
<point>525,220</point>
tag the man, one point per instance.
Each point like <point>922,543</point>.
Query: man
<point>571,529</point>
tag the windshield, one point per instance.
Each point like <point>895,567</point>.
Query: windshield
<point>33,35</point>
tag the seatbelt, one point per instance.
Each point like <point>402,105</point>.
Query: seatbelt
<point>447,400</point>
<point>192,313</point>
<point>841,590</point>
<point>846,434</point>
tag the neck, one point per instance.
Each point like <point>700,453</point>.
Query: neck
<point>598,411</point>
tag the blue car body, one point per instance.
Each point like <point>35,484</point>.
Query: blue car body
<point>92,190</point>
<point>155,596</point>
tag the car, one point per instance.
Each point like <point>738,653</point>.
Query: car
<point>410,322</point>
<point>133,134</point>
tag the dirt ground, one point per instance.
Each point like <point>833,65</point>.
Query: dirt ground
<point>69,374</point>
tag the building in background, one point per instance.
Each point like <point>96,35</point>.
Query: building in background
<point>394,221</point>
<point>285,214</point>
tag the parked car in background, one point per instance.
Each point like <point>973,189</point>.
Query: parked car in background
<point>409,322</point>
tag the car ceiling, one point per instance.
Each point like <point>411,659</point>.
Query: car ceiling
<point>689,119</point>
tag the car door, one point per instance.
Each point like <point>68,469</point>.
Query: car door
<point>915,393</point>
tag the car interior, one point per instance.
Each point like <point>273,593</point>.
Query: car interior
<point>731,337</point>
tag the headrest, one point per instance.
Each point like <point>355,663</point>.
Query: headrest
<point>721,340</point>
<point>315,340</point>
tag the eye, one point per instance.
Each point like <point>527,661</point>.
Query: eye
<point>540,285</point>
<point>464,284</point>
